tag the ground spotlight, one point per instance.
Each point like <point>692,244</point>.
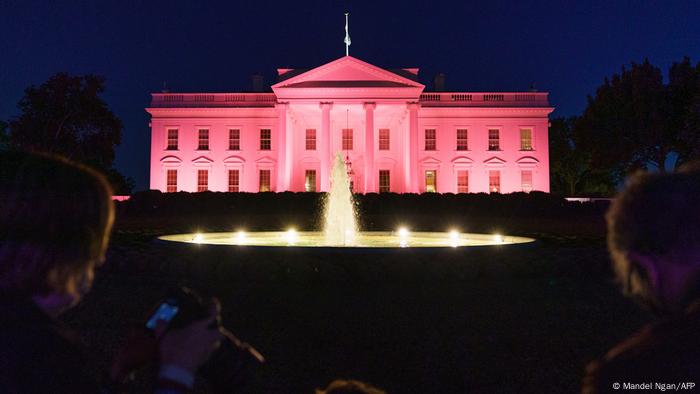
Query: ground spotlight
<point>240,237</point>
<point>454,238</point>
<point>291,236</point>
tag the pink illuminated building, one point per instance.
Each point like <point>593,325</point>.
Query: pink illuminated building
<point>396,136</point>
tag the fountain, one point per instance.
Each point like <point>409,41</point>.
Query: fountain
<point>340,220</point>
<point>340,229</point>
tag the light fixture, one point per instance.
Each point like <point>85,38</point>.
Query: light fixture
<point>291,236</point>
<point>454,238</point>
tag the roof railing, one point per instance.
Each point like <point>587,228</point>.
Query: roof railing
<point>484,99</point>
<point>213,99</point>
<point>429,99</point>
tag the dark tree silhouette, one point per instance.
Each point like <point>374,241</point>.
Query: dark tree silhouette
<point>66,115</point>
<point>684,97</point>
<point>623,121</point>
<point>570,165</point>
<point>635,120</point>
<point>4,137</point>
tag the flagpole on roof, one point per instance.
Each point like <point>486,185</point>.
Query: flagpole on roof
<point>347,36</point>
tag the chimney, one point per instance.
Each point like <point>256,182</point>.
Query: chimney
<point>257,82</point>
<point>439,82</point>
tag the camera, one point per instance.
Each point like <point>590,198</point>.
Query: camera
<point>234,365</point>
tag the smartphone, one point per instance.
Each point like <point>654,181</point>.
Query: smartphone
<point>165,312</point>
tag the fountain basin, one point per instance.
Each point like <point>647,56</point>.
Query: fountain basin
<point>366,239</point>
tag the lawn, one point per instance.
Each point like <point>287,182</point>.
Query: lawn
<point>493,320</point>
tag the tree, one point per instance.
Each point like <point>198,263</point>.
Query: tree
<point>684,97</point>
<point>570,165</point>
<point>4,137</point>
<point>66,115</point>
<point>635,121</point>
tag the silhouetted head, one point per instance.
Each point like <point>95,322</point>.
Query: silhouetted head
<point>350,387</point>
<point>654,238</point>
<point>55,219</point>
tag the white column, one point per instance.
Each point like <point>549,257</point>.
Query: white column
<point>283,148</point>
<point>413,143</point>
<point>370,185</point>
<point>325,140</point>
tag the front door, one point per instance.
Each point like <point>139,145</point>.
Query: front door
<point>430,186</point>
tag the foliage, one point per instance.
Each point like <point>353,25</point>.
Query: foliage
<point>383,211</point>
<point>684,97</point>
<point>636,121</point>
<point>4,137</point>
<point>121,185</point>
<point>570,165</point>
<point>66,115</point>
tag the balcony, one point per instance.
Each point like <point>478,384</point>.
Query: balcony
<point>484,99</point>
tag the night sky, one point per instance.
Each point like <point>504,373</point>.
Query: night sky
<point>566,48</point>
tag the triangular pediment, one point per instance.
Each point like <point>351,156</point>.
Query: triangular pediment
<point>203,160</point>
<point>266,160</point>
<point>429,161</point>
<point>348,72</point>
<point>494,162</point>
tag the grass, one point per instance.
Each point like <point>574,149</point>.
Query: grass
<point>501,320</point>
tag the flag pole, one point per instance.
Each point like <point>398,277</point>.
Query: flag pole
<point>347,36</point>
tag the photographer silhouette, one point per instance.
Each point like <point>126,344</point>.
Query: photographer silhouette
<point>55,222</point>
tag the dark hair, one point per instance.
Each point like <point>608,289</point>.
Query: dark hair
<point>55,219</point>
<point>655,215</point>
<point>341,386</point>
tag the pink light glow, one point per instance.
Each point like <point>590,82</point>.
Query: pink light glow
<point>372,99</point>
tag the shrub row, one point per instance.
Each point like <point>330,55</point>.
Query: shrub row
<point>535,204</point>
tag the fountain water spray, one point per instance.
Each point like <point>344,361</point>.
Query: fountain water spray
<point>340,220</point>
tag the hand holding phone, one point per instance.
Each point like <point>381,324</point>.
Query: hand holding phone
<point>165,312</point>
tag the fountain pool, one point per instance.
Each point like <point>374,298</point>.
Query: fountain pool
<point>340,229</point>
<point>368,239</point>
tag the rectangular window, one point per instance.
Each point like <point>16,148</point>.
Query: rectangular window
<point>429,139</point>
<point>172,139</point>
<point>494,139</point>
<point>234,179</point>
<point>347,139</point>
<point>526,180</point>
<point>462,139</point>
<point>203,139</point>
<point>310,139</point>
<point>265,139</point>
<point>234,139</point>
<point>462,181</point>
<point>494,181</point>
<point>310,180</point>
<point>384,181</point>
<point>430,186</point>
<point>202,180</point>
<point>525,139</point>
<point>171,181</point>
<point>264,180</point>
<point>384,139</point>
